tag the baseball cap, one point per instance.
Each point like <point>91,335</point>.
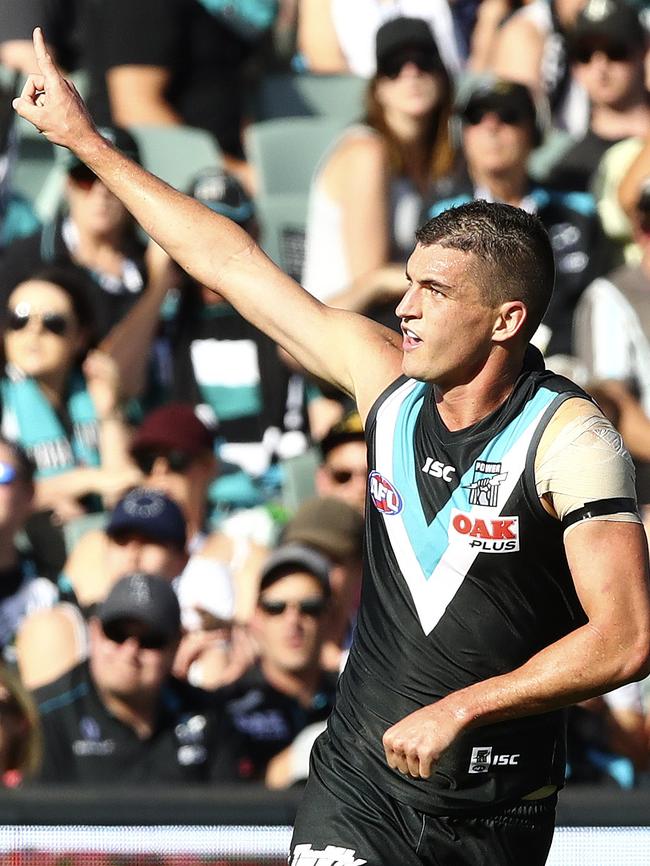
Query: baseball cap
<point>328,524</point>
<point>219,190</point>
<point>145,598</point>
<point>607,21</point>
<point>117,136</point>
<point>401,33</point>
<point>348,429</point>
<point>174,426</point>
<point>299,557</point>
<point>149,513</point>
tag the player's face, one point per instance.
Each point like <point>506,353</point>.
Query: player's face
<point>447,325</point>
<point>289,622</point>
<point>124,665</point>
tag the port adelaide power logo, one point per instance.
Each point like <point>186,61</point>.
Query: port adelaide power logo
<point>477,528</point>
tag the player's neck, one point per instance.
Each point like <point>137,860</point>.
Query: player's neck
<point>463,405</point>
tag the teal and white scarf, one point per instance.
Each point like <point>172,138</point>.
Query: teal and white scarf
<point>29,419</point>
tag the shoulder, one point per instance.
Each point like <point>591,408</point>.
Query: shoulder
<point>62,692</point>
<point>359,147</point>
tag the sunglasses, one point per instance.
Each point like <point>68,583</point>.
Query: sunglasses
<point>119,633</point>
<point>616,52</point>
<point>312,607</point>
<point>344,476</point>
<point>83,176</point>
<point>177,460</point>
<point>53,323</point>
<point>392,65</point>
<point>8,473</point>
<point>506,114</point>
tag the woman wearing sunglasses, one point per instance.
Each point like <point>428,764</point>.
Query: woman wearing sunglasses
<point>60,401</point>
<point>366,197</point>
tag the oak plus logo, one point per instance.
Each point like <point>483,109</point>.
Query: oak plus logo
<point>484,486</point>
<point>438,469</point>
<point>483,760</point>
<point>331,855</point>
<point>485,534</point>
<point>385,495</point>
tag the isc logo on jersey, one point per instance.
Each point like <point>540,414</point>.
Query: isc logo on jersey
<point>384,494</point>
<point>484,533</point>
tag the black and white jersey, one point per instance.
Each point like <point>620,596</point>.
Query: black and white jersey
<point>465,578</point>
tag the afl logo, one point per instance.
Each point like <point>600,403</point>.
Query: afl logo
<point>384,495</point>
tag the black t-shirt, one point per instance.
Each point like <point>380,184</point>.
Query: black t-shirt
<point>269,720</point>
<point>202,55</point>
<point>576,169</point>
<point>83,742</point>
<point>60,20</point>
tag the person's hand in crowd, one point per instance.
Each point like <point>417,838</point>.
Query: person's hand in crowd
<point>103,383</point>
<point>220,655</point>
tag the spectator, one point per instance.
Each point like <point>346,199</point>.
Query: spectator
<point>145,532</point>
<point>20,732</point>
<point>286,692</point>
<point>225,367</point>
<point>335,36</point>
<point>120,716</point>
<point>343,473</point>
<point>612,338</point>
<point>61,21</point>
<point>61,402</point>
<point>531,49</point>
<point>96,233</point>
<point>607,48</point>
<point>499,131</point>
<point>335,529</point>
<point>367,195</point>
<point>189,70</point>
<point>21,590</point>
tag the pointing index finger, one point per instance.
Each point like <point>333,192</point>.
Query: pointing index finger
<point>45,62</point>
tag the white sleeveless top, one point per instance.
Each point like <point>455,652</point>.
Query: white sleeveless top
<point>356,22</point>
<point>326,271</point>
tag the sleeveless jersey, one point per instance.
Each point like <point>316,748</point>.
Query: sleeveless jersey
<point>465,579</point>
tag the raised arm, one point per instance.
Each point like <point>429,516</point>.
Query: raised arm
<point>332,344</point>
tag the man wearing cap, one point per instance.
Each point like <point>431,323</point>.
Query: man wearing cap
<point>607,49</point>
<point>120,716</point>
<point>96,233</point>
<point>500,127</point>
<point>343,472</point>
<point>145,532</point>
<point>511,582</point>
<point>286,691</point>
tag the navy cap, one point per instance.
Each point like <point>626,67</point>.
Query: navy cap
<point>145,598</point>
<point>607,22</point>
<point>219,190</point>
<point>399,33</point>
<point>149,513</point>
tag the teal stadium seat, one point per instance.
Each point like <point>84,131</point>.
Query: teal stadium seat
<point>176,153</point>
<point>282,218</point>
<point>293,95</point>
<point>286,151</point>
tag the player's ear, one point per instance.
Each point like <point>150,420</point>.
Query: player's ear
<point>510,319</point>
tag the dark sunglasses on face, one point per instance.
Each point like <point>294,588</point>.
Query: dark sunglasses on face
<point>178,461</point>
<point>507,114</point>
<point>119,633</point>
<point>312,607</point>
<point>344,476</point>
<point>53,323</point>
<point>83,176</point>
<point>393,64</point>
<point>616,52</point>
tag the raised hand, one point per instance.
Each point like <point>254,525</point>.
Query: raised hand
<point>53,105</point>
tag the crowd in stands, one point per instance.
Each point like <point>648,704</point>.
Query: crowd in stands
<point>181,506</point>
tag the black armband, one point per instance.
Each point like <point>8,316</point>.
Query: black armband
<point>600,508</point>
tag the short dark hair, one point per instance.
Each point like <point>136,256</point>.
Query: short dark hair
<point>511,242</point>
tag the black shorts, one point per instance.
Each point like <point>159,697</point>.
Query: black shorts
<point>345,820</point>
